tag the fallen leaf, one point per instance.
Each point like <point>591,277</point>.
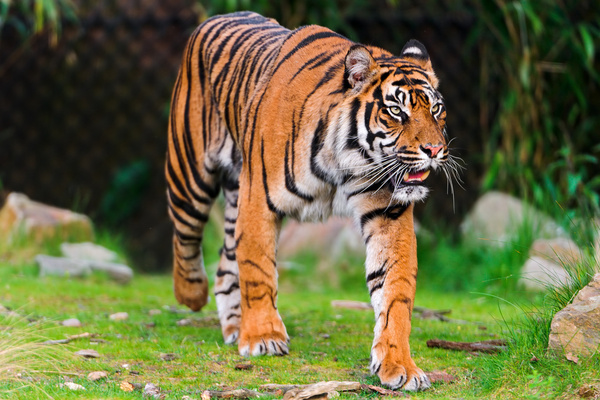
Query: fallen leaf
<point>97,375</point>
<point>440,376</point>
<point>243,366</point>
<point>572,357</point>
<point>184,322</point>
<point>205,395</point>
<point>126,386</point>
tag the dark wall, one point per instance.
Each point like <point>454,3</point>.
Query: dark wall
<point>83,123</point>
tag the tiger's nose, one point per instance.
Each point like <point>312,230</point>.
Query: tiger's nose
<point>431,150</point>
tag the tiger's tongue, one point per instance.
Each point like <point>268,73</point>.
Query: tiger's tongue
<point>416,176</point>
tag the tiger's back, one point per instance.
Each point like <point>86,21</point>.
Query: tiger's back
<point>304,124</point>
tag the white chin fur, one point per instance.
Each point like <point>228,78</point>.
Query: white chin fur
<point>410,194</point>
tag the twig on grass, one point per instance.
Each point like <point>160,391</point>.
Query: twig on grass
<point>486,346</point>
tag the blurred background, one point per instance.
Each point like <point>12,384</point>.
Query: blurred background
<point>85,89</point>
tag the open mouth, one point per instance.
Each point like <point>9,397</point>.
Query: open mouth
<point>415,177</point>
<point>410,178</point>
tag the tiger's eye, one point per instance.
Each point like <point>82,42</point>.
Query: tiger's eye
<point>435,109</point>
<point>395,110</point>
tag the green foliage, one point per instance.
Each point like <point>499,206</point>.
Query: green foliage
<point>29,17</point>
<point>125,193</point>
<point>541,57</point>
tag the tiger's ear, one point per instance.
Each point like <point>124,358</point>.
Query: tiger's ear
<point>360,66</point>
<point>415,52</point>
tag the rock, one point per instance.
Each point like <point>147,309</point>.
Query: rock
<point>88,251</point>
<point>88,353</point>
<point>154,312</point>
<point>497,217</point>
<point>37,221</point>
<point>150,390</point>
<point>97,375</point>
<point>320,388</point>
<point>558,250</point>
<point>59,266</point>
<point>118,272</point>
<point>73,322</point>
<point>337,236</point>
<point>539,273</point>
<point>576,328</point>
<point>73,386</point>
<point>120,316</point>
<point>546,264</point>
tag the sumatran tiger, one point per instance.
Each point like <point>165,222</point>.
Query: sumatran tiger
<point>301,124</point>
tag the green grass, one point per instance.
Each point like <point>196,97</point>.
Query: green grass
<point>326,343</point>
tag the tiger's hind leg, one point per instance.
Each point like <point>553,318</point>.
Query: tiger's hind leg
<point>227,286</point>
<point>189,208</point>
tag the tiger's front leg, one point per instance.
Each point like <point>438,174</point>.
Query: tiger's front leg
<point>262,331</point>
<point>391,268</point>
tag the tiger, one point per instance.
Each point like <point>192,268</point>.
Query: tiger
<point>300,124</point>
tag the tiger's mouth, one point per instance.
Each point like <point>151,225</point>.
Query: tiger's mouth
<point>411,178</point>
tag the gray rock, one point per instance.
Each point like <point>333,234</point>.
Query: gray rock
<point>558,250</point>
<point>547,261</point>
<point>117,272</point>
<point>88,251</point>
<point>73,322</point>
<point>120,316</point>
<point>59,266</point>
<point>496,217</point>
<point>576,328</point>
<point>539,273</point>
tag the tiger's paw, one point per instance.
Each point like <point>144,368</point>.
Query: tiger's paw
<point>398,375</point>
<point>192,293</point>
<point>264,338</point>
<point>231,332</point>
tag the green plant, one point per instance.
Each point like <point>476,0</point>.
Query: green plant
<point>541,57</point>
<point>29,17</point>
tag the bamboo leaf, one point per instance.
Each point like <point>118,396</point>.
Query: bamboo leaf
<point>588,44</point>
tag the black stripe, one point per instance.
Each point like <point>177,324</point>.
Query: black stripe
<point>377,274</point>
<point>388,212</point>
<point>290,183</point>
<point>402,299</point>
<point>223,272</point>
<point>231,288</point>
<point>280,214</point>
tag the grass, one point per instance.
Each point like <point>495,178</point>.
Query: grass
<point>326,343</point>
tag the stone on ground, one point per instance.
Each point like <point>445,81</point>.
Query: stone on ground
<point>38,222</point>
<point>60,266</point>
<point>547,261</point>
<point>72,267</point>
<point>496,218</point>
<point>576,328</point>
<point>88,251</point>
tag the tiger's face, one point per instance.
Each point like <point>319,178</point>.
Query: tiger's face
<point>400,119</point>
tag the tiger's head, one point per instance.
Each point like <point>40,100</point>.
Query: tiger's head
<point>397,120</point>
